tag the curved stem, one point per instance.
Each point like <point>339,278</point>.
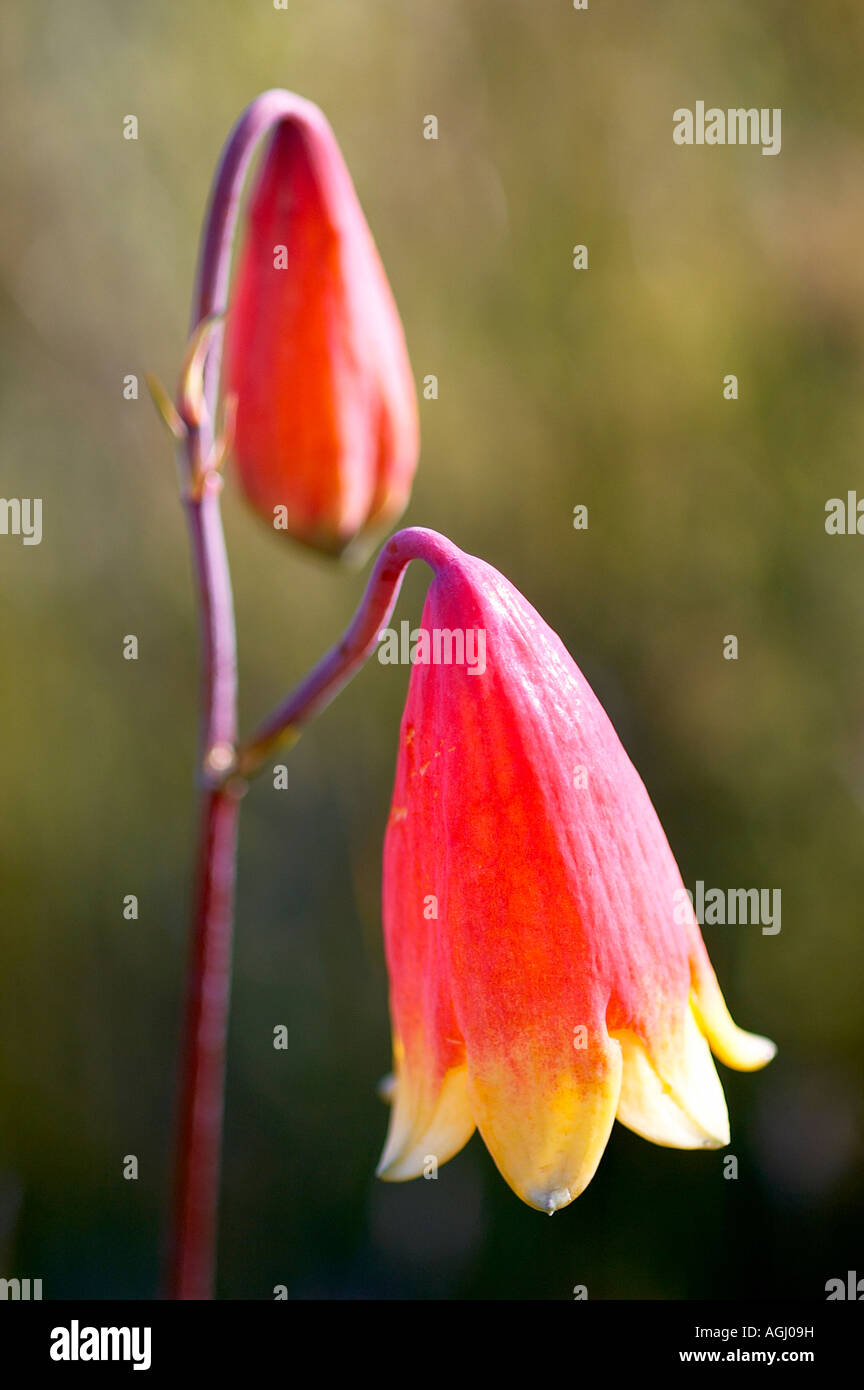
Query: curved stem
<point>202,1070</point>
<point>336,668</point>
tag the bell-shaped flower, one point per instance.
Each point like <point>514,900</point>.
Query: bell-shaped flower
<point>547,972</point>
<point>325,434</point>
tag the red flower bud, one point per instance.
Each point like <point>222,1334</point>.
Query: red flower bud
<point>547,971</point>
<point>326,435</point>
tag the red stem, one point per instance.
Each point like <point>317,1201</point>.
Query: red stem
<point>192,1240</point>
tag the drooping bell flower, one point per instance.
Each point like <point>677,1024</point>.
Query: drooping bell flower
<point>326,434</point>
<point>547,972</point>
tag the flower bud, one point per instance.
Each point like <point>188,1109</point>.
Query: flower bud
<point>326,434</point>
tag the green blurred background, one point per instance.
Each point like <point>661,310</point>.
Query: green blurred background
<point>557,387</point>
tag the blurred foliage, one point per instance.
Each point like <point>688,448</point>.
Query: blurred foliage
<point>556,388</point>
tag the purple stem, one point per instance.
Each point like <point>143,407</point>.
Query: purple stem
<point>202,1074</point>
<point>335,669</point>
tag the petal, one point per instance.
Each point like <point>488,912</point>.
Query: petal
<point>676,1099</point>
<point>547,1136</point>
<point>431,1115</point>
<point>738,1049</point>
<point>427,1121</point>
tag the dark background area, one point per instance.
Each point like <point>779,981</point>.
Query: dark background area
<point>557,387</point>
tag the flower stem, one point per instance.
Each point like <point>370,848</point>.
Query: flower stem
<point>192,1236</point>
<point>342,661</point>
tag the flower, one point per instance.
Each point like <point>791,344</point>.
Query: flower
<point>544,979</point>
<point>326,434</point>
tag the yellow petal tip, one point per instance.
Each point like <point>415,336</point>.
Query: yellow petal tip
<point>674,1097</point>
<point>732,1045</point>
<point>425,1128</point>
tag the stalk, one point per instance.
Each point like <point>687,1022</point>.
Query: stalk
<point>192,1236</point>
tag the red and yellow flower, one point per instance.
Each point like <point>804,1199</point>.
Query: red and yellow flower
<point>543,978</point>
